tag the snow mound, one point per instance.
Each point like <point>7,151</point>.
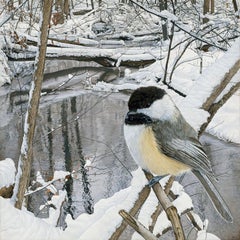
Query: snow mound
<point>7,172</point>
<point>17,224</point>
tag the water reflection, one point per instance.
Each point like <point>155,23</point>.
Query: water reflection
<point>77,128</point>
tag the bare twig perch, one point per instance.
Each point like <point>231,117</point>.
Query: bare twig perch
<point>137,226</point>
<point>159,208</point>
<point>168,207</point>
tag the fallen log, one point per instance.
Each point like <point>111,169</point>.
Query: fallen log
<point>134,57</point>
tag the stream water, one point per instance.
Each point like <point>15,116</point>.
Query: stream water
<point>74,125</point>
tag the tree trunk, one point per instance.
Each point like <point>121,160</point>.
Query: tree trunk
<point>163,6</point>
<point>206,7</point>
<point>92,4</point>
<point>66,8</point>
<point>25,159</point>
<point>235,7</point>
<point>212,6</point>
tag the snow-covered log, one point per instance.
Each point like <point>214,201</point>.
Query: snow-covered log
<point>133,57</point>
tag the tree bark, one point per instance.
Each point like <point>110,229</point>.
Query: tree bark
<point>212,6</point>
<point>25,159</point>
<point>168,207</point>
<point>137,226</point>
<point>235,7</point>
<point>163,6</point>
<point>206,7</point>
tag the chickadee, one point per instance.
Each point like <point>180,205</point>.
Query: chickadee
<point>162,142</point>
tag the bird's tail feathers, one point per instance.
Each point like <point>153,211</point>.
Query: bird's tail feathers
<point>214,195</point>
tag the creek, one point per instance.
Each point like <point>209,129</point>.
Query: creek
<point>75,124</point>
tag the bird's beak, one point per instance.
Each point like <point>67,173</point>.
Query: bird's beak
<point>129,116</point>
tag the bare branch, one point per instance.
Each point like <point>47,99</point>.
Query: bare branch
<point>137,226</point>
<point>12,14</point>
<point>168,207</point>
<point>159,207</point>
<point>25,159</point>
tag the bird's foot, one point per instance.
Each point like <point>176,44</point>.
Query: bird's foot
<point>155,180</point>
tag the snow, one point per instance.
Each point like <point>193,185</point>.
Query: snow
<point>7,172</point>
<point>203,235</point>
<point>226,125</point>
<point>88,226</point>
<point>4,69</point>
<point>16,223</point>
<point>106,213</point>
<point>204,86</point>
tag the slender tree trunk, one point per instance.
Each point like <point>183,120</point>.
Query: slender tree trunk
<point>92,4</point>
<point>25,159</point>
<point>212,6</point>
<point>66,8</point>
<point>235,6</point>
<point>163,6</point>
<point>206,8</point>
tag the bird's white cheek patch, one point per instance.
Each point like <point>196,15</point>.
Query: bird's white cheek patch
<point>155,161</point>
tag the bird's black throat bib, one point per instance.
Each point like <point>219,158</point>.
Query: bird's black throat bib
<point>133,118</point>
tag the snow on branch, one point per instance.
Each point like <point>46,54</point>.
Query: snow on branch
<point>211,85</point>
<point>106,219</point>
<point>174,20</point>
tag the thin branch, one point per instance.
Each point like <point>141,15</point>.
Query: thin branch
<point>168,207</point>
<point>159,207</point>
<point>168,55</point>
<point>137,226</point>
<point>12,14</point>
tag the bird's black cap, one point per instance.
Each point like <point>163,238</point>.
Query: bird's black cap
<point>143,97</point>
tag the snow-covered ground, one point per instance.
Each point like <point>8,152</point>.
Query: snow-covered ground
<point>101,224</point>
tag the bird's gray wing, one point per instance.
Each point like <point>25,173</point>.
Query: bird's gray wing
<point>182,146</point>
